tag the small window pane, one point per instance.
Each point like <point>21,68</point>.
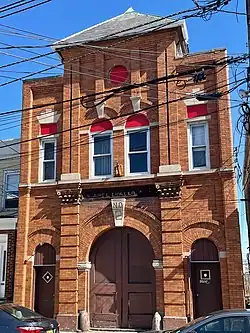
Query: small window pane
<point>138,162</point>
<point>12,182</point>
<point>49,150</point>
<point>49,170</point>
<point>138,141</point>
<point>102,145</point>
<point>102,165</point>
<point>198,135</point>
<point>199,158</point>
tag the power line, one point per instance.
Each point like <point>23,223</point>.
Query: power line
<point>15,5</point>
<point>24,9</point>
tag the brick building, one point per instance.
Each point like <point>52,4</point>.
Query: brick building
<point>9,179</point>
<point>133,210</point>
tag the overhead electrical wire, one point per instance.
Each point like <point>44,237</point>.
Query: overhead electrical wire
<point>25,9</point>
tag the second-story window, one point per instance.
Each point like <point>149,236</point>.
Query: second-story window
<point>11,190</point>
<point>48,160</point>
<point>198,146</point>
<point>137,145</point>
<point>101,149</point>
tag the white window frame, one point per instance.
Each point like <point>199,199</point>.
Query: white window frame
<point>3,265</point>
<point>41,164</point>
<point>190,146</point>
<point>91,155</point>
<point>126,150</point>
<point>6,173</point>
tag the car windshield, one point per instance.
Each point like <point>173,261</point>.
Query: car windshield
<point>193,322</point>
<point>20,312</point>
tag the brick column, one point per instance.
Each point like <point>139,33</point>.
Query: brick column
<point>22,246</point>
<point>162,97</point>
<point>69,254</point>
<point>172,248</point>
<point>233,246</point>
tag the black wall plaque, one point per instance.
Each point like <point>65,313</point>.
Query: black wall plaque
<point>119,192</point>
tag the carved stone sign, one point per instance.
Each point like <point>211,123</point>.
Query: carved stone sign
<point>118,208</point>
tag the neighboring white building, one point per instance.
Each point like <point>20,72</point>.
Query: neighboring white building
<point>9,180</point>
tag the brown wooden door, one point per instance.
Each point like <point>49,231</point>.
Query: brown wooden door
<point>122,280</point>
<point>206,288</point>
<point>45,290</point>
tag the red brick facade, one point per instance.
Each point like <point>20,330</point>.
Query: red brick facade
<point>206,207</point>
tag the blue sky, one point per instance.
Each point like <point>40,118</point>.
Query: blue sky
<point>61,18</point>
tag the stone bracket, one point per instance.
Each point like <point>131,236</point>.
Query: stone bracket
<point>169,189</point>
<point>70,196</point>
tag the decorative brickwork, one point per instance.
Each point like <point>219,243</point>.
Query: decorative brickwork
<point>182,207</point>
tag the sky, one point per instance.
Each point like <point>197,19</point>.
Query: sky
<point>61,18</point>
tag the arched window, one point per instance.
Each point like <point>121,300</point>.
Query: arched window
<point>137,145</point>
<point>101,148</point>
<point>204,249</point>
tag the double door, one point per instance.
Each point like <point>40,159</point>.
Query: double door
<point>122,280</point>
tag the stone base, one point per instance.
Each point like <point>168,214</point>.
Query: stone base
<point>173,322</point>
<point>67,322</point>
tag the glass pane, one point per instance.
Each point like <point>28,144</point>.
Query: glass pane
<point>198,135</point>
<point>138,141</point>
<point>138,162</point>
<point>20,312</point>
<point>199,158</point>
<point>102,144</point>
<point>12,182</point>
<point>49,170</point>
<point>102,166</point>
<point>229,324</point>
<point>49,149</point>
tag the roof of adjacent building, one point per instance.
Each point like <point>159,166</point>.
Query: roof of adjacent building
<point>126,24</point>
<point>7,151</point>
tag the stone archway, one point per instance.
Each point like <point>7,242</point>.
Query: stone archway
<point>122,280</point>
<point>44,269</point>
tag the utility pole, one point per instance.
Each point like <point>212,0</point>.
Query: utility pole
<point>248,42</point>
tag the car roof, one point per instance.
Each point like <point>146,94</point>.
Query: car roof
<point>231,311</point>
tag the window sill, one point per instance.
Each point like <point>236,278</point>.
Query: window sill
<point>115,179</point>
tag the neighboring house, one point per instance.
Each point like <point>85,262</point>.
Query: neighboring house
<point>9,180</point>
<point>134,209</point>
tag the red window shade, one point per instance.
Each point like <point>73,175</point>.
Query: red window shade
<point>100,126</point>
<point>137,120</point>
<point>48,129</point>
<point>118,74</point>
<point>197,110</point>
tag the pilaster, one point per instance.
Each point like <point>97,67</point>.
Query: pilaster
<point>69,254</point>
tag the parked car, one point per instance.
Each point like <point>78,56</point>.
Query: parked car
<point>236,321</point>
<point>18,319</point>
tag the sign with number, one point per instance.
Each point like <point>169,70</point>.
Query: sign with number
<point>118,208</point>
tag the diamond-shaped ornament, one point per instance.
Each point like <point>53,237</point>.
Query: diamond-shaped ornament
<point>47,277</point>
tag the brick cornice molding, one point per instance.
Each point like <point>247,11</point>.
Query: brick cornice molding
<point>70,196</point>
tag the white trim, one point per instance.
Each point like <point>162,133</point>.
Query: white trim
<point>6,174</point>
<point>118,128</point>
<point>126,150</point>
<point>3,248</point>
<point>8,223</point>
<point>197,119</point>
<point>41,164</point>
<point>46,136</point>
<point>91,153</point>
<point>48,116</point>
<point>83,132</point>
<point>190,146</point>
